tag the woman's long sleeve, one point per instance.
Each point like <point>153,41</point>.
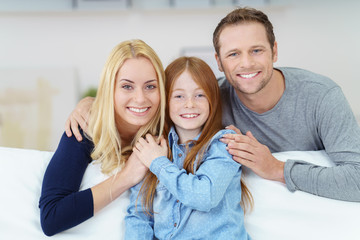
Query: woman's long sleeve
<point>61,204</point>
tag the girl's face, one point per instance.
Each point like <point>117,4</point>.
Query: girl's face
<point>136,95</point>
<point>188,107</point>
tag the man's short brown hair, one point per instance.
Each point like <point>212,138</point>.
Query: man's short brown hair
<point>243,15</point>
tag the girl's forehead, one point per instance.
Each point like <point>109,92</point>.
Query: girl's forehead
<point>183,79</point>
<point>185,84</point>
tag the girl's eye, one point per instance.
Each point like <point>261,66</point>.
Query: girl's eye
<point>200,95</point>
<point>177,96</point>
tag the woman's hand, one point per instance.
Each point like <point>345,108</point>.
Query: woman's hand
<point>131,174</point>
<point>134,170</point>
<point>148,149</point>
<point>79,116</point>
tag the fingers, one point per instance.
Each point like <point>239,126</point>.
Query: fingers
<point>227,138</point>
<point>72,126</point>
<point>250,135</point>
<point>75,128</point>
<point>140,143</point>
<point>243,161</point>
<point>149,142</point>
<point>150,139</point>
<point>232,127</point>
<point>83,122</point>
<point>67,128</point>
<point>235,138</point>
<point>241,153</point>
<point>79,118</point>
<point>163,142</point>
<point>239,146</point>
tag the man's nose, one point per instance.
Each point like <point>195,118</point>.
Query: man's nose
<point>246,61</point>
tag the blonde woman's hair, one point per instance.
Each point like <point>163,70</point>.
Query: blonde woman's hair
<point>102,128</point>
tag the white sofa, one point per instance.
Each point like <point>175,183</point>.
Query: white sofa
<point>278,214</point>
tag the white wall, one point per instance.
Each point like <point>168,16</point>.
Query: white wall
<point>323,37</point>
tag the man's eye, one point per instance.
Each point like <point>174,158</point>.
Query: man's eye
<point>257,51</point>
<point>233,54</point>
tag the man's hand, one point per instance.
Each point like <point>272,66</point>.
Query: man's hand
<point>79,116</point>
<point>148,149</point>
<point>247,151</point>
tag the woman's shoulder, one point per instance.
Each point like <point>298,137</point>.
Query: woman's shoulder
<point>71,144</point>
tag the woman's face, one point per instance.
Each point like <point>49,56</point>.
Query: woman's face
<point>136,93</point>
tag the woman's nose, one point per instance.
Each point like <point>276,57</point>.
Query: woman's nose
<point>139,95</point>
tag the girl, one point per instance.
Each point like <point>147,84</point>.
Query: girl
<point>197,194</point>
<point>129,104</point>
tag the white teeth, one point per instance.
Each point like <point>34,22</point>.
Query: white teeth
<point>138,110</point>
<point>248,75</point>
<point>189,115</point>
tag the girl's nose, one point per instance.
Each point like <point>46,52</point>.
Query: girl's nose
<point>189,103</point>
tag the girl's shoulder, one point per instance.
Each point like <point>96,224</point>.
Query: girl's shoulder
<point>215,140</point>
<point>220,133</point>
<point>216,149</point>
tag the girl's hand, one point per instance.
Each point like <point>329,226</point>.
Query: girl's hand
<point>148,149</point>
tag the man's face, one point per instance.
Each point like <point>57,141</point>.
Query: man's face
<point>246,58</point>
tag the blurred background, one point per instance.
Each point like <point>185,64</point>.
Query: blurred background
<point>52,51</point>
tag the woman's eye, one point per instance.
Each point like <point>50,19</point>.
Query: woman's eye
<point>177,96</point>
<point>200,95</point>
<point>127,87</point>
<point>150,87</point>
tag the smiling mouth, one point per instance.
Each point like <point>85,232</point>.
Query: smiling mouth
<point>248,76</point>
<point>138,110</point>
<point>191,115</point>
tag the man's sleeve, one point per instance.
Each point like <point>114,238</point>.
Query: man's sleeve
<point>340,134</point>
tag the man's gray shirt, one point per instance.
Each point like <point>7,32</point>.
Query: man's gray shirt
<point>313,114</point>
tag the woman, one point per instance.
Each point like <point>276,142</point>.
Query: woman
<point>129,104</point>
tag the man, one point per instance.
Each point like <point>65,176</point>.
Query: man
<point>283,109</point>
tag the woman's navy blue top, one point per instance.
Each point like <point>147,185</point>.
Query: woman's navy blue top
<point>61,204</point>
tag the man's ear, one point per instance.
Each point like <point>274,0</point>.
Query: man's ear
<point>275,52</point>
<point>219,62</point>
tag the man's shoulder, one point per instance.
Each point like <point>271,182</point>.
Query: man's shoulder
<point>306,77</point>
<point>224,84</point>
